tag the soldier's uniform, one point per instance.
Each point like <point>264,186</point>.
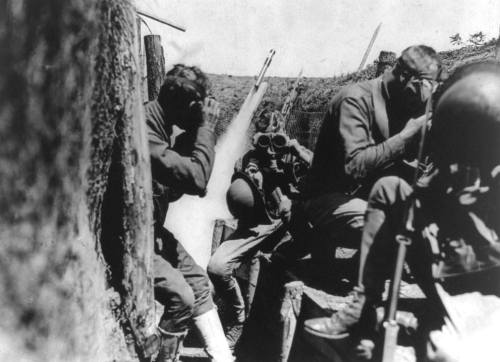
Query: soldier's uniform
<point>253,200</point>
<point>180,284</point>
<point>361,140</point>
<point>460,200</point>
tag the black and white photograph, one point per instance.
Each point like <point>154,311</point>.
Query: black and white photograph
<point>249,181</point>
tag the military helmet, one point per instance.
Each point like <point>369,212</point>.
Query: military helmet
<point>466,120</point>
<point>245,202</point>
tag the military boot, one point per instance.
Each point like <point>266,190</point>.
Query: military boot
<point>342,323</point>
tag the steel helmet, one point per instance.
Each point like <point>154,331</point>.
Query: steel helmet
<point>466,120</point>
<point>245,202</point>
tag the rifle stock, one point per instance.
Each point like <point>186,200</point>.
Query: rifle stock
<point>390,340</point>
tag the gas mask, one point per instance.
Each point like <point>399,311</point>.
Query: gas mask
<point>272,141</point>
<point>417,91</point>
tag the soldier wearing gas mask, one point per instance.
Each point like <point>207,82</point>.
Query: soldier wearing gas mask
<point>456,218</point>
<point>370,130</point>
<point>260,197</point>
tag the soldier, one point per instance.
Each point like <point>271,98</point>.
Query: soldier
<point>461,197</point>
<point>260,198</point>
<point>370,130</point>
<point>180,284</point>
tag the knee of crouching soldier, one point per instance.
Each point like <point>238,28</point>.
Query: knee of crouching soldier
<point>185,299</point>
<point>218,268</point>
<point>388,190</point>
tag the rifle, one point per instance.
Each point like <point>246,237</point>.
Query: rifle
<point>404,239</point>
<point>291,98</point>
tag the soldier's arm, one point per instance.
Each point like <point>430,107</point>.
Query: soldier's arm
<point>303,153</point>
<point>363,156</point>
<point>186,174</point>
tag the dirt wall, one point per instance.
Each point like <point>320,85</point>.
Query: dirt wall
<point>58,131</point>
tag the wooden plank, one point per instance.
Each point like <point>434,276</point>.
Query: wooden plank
<point>194,352</point>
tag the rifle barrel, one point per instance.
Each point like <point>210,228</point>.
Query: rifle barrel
<point>290,99</point>
<point>369,48</point>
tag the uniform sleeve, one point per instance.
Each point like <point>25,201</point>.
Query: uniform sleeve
<point>186,174</point>
<point>362,155</point>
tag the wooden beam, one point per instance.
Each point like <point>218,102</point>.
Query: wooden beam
<point>160,20</point>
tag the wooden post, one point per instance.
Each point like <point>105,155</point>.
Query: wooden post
<point>386,60</point>
<point>290,310</point>
<point>141,63</point>
<point>155,62</point>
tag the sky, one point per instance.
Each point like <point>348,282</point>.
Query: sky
<point>324,37</point>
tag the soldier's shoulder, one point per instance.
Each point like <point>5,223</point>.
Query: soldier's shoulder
<point>358,90</point>
<point>360,93</point>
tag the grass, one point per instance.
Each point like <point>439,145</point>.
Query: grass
<point>231,91</point>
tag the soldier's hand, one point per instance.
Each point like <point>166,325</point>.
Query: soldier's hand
<point>285,209</point>
<point>413,126</point>
<point>300,151</point>
<point>294,146</point>
<point>211,112</point>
